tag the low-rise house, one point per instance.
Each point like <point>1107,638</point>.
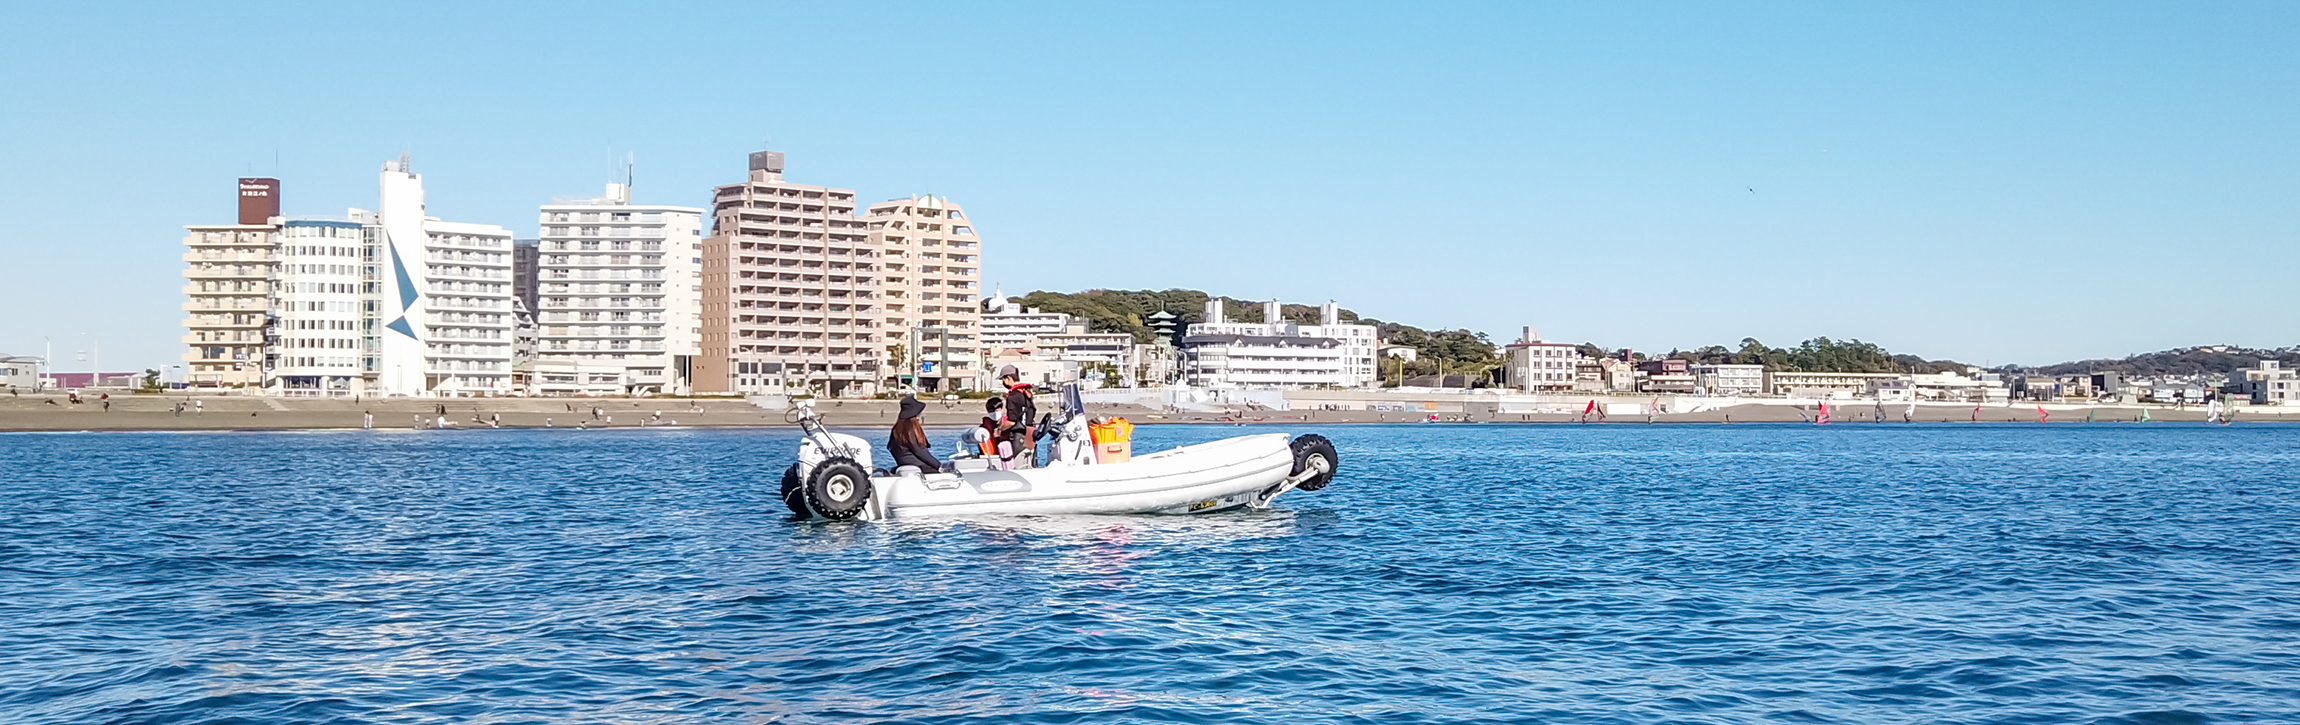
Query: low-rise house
<point>1798,384</point>
<point>20,372</point>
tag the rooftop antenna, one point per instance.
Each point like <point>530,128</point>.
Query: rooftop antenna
<point>404,166</point>
<point>630,168</point>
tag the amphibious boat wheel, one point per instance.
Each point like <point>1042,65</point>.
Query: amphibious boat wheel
<point>838,488</point>
<point>1307,447</point>
<point>792,496</point>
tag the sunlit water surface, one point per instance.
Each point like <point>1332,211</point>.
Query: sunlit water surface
<point>2113,573</point>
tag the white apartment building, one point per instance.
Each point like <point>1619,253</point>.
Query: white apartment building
<point>2268,384</point>
<point>1726,379</point>
<point>1535,365</point>
<point>1007,324</point>
<point>791,290</point>
<point>445,306</point>
<point>390,302</point>
<point>320,332</point>
<point>618,296</point>
<point>930,287</point>
<point>1278,354</point>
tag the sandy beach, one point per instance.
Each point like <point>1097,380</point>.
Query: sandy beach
<point>28,412</point>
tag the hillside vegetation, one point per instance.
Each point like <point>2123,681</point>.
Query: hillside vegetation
<point>2194,361</point>
<point>1819,355</point>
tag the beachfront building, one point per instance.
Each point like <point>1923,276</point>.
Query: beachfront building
<point>619,305</point>
<point>388,302</point>
<point>1535,365</point>
<point>20,372</point>
<point>1729,379</point>
<point>1007,324</point>
<point>445,303</point>
<point>2269,383</point>
<point>790,297</point>
<point>1276,353</point>
<point>1795,384</point>
<point>930,285</point>
<point>320,337</point>
<point>228,286</point>
<point>1108,357</point>
<point>1978,387</point>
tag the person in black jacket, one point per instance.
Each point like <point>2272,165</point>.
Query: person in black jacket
<point>908,440</point>
<point>1017,427</point>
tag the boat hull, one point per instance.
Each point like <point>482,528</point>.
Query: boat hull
<point>1247,471</point>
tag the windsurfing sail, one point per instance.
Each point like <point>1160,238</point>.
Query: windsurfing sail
<point>1910,415</point>
<point>1824,420</point>
<point>2143,414</point>
<point>2041,416</point>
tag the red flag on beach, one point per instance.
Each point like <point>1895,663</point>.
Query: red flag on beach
<point>1824,419</point>
<point>2041,416</point>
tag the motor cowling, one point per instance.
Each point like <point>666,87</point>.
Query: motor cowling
<point>812,452</point>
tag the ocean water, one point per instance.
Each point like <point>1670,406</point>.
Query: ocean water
<point>1623,573</point>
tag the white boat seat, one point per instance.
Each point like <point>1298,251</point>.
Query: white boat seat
<point>943,481</point>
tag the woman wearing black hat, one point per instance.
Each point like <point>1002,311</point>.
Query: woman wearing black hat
<point>908,441</point>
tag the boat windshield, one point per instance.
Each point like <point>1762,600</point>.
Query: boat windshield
<point>1071,400</point>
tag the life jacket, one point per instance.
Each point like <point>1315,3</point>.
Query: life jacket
<point>989,443</point>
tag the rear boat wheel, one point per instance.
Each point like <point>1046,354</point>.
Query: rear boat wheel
<point>1313,450</point>
<point>838,488</point>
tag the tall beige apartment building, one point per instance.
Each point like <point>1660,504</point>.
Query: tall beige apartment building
<point>228,270</point>
<point>790,290</point>
<point>931,265</point>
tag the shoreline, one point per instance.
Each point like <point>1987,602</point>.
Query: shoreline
<point>157,413</point>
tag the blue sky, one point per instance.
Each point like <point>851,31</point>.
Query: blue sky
<point>2029,183</point>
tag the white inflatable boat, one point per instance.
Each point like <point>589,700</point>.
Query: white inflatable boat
<point>834,479</point>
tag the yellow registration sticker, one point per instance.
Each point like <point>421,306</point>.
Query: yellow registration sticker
<point>1203,505</point>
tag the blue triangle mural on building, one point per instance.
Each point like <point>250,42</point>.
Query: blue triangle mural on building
<point>407,293</point>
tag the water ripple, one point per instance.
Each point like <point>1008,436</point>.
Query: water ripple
<point>1557,574</point>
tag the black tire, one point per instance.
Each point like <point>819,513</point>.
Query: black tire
<point>838,488</point>
<point>1310,445</point>
<point>792,497</point>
